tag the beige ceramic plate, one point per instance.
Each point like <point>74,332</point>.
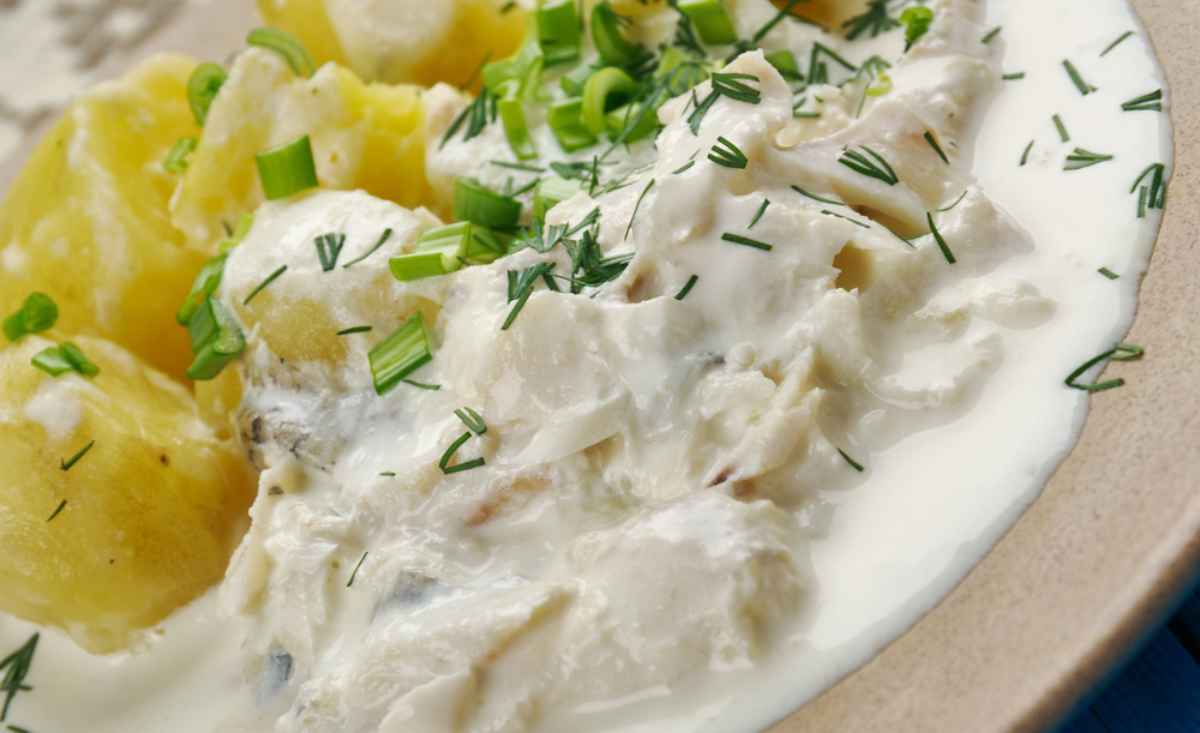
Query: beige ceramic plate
<point>1092,564</point>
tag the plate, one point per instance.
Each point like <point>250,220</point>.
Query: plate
<point>1095,562</point>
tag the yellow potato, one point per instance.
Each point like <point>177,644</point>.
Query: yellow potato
<point>376,39</point>
<point>153,510</point>
<point>87,220</point>
<point>367,136</point>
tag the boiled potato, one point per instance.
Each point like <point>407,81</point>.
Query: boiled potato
<point>409,41</point>
<point>87,220</point>
<point>367,136</point>
<point>153,510</point>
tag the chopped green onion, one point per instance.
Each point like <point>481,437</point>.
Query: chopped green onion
<point>286,45</point>
<point>1120,39</point>
<point>726,154</point>
<point>566,122</point>
<point>631,122</point>
<point>66,464</point>
<point>785,63</point>
<point>61,505</point>
<point>559,31</point>
<point>687,288</point>
<point>606,89</point>
<point>448,456</point>
<point>610,43</point>
<point>874,167</point>
<point>517,75</point>
<point>853,463</point>
<point>1108,273</point>
<point>329,248</point>
<point>38,313</point>
<point>516,129</point>
<point>933,143</point>
<point>202,88</point>
<point>478,204</point>
<point>177,157</point>
<point>78,361</point>
<point>874,19</point>
<point>711,20</point>
<point>551,192</point>
<point>287,169</point>
<point>420,265</point>
<point>1062,129</point>
<point>941,242</point>
<point>746,241</point>
<point>400,354</point>
<point>1081,158</point>
<point>1151,102</point>
<point>1014,76</point>
<point>917,20</point>
<point>473,420</point>
<point>216,340</point>
<point>1077,79</point>
<point>66,357</point>
<point>207,282</point>
<point>354,573</point>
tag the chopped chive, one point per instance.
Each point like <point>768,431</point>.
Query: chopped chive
<point>472,419</point>
<point>1151,102</point>
<point>1076,79</point>
<point>762,209</point>
<point>1062,129</point>
<point>941,242</point>
<point>388,474</point>
<point>1025,155</point>
<point>853,463</point>
<point>16,668</point>
<point>54,515</point>
<point>687,288</point>
<point>725,153</point>
<point>354,329</point>
<point>329,248</point>
<point>422,385</point>
<point>1121,352</point>
<point>874,20</point>
<point>287,169</point>
<point>874,167</point>
<point>686,166</point>
<point>177,157</point>
<point>1108,273</point>
<point>933,143</point>
<point>478,204</point>
<point>1154,195</point>
<point>637,206</point>
<point>991,35</point>
<point>1120,39</point>
<point>1013,76</point>
<point>746,241</point>
<point>815,197</point>
<point>387,234</point>
<point>448,455</point>
<point>735,87</point>
<point>475,116</point>
<point>286,45</point>
<point>834,214</point>
<point>354,573</point>
<point>67,464</point>
<point>957,201</point>
<point>1081,158</point>
<point>399,355</point>
<point>202,87</point>
<point>38,313</point>
<point>262,286</point>
<point>518,166</point>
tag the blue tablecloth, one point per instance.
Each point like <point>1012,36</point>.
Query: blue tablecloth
<point>1158,690</point>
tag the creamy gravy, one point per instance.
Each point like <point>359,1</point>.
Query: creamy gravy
<point>885,546</point>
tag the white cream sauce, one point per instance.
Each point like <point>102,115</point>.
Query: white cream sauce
<point>776,602</point>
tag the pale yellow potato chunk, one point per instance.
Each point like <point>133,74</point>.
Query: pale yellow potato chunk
<point>154,508</point>
<point>367,136</point>
<point>87,219</point>
<point>402,41</point>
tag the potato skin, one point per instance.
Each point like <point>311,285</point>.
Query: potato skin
<point>154,509</point>
<point>87,219</point>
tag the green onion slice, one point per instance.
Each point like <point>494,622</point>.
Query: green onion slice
<point>400,354</point>
<point>711,19</point>
<point>566,122</point>
<point>38,313</point>
<point>66,357</point>
<point>287,46</point>
<point>202,88</point>
<point>559,31</point>
<point>606,89</point>
<point>206,283</point>
<point>610,43</point>
<point>516,129</point>
<point>287,169</point>
<point>475,203</point>
<point>177,157</point>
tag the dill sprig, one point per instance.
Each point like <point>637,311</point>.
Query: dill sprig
<point>16,668</point>
<point>361,560</point>
<point>1025,154</point>
<point>874,20</point>
<point>383,238</point>
<point>475,116</point>
<point>1062,129</point>
<point>853,463</point>
<point>68,463</point>
<point>815,197</point>
<point>874,166</point>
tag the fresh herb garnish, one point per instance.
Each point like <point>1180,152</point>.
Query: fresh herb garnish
<point>836,215</point>
<point>746,241</point>
<point>476,116</point>
<point>521,287</point>
<point>874,167</point>
<point>941,241</point>
<point>1081,158</point>
<point>1077,79</point>
<point>687,288</point>
<point>991,35</point>
<point>933,143</point>
<point>954,205</point>
<point>1120,39</point>
<point>61,505</point>
<point>354,329</point>
<point>1062,129</point>
<point>917,21</point>
<point>329,248</point>
<point>38,313</point>
<point>815,197</point>
<point>853,463</point>
<point>1013,76</point>
<point>448,456</point>
<point>874,20</point>
<point>383,238</point>
<point>758,215</point>
<point>177,157</point>
<point>1121,352</point>
<point>726,154</point>
<point>67,464</point>
<point>354,573</point>
<point>1025,155</point>
<point>637,206</point>
<point>16,668</point>
<point>1154,194</point>
<point>262,286</point>
<point>1151,102</point>
<point>472,419</point>
<point>1108,273</point>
